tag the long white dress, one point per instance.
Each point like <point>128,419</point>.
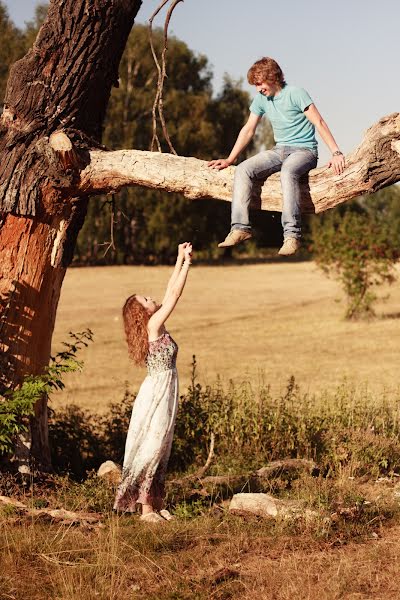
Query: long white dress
<point>151,429</point>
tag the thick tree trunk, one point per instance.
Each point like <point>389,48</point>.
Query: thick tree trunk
<point>373,165</point>
<point>64,82</point>
<point>34,258</point>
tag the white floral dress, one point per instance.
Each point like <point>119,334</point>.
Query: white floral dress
<point>151,429</point>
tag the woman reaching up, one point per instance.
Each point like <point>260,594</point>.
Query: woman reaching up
<point>151,428</point>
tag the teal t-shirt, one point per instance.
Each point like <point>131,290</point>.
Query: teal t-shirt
<point>285,111</point>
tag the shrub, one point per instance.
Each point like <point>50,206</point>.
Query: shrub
<point>359,251</point>
<point>349,429</point>
<point>17,405</point>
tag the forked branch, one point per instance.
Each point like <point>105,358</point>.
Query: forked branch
<point>158,105</point>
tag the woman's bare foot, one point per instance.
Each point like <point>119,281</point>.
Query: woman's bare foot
<point>146,509</point>
<point>152,517</point>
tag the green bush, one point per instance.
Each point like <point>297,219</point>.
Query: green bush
<point>16,406</point>
<point>348,429</point>
<point>359,250</point>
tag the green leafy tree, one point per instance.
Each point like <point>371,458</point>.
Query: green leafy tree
<point>32,27</point>
<point>358,247</point>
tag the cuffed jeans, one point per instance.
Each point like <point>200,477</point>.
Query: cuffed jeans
<point>292,162</point>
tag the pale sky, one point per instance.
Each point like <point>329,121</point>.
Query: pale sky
<point>345,53</point>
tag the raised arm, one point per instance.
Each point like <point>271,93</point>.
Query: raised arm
<point>156,322</point>
<point>246,134</point>
<point>178,265</point>
<point>337,160</point>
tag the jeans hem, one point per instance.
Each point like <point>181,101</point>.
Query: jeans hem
<point>241,227</point>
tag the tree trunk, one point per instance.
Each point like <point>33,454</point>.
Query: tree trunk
<point>64,82</point>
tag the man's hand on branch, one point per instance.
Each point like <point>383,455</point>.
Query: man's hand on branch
<point>219,164</point>
<point>337,162</point>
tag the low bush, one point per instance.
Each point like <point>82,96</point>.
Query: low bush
<point>347,429</point>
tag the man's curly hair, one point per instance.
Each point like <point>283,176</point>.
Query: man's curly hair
<point>266,70</point>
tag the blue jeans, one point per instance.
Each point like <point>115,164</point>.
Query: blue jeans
<point>292,162</point>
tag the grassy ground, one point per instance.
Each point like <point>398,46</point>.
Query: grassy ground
<point>262,321</point>
<point>265,322</point>
<point>213,555</point>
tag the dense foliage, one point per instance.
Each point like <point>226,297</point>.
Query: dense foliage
<point>348,428</point>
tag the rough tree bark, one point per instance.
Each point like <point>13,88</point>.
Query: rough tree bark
<point>64,82</point>
<point>63,85</point>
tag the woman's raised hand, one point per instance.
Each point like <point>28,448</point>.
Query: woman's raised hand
<point>181,249</point>
<point>188,251</point>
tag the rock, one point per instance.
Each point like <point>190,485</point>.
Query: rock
<point>264,505</point>
<point>110,472</point>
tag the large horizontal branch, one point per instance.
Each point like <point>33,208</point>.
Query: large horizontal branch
<point>373,165</point>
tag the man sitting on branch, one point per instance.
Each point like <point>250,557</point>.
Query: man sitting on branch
<point>293,117</point>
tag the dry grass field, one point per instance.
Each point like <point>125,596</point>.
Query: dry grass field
<point>251,321</point>
<point>257,322</point>
<point>201,559</point>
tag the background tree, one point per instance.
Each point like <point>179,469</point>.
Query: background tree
<point>12,46</point>
<point>359,245</point>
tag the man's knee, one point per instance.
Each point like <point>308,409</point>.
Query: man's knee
<point>290,173</point>
<point>244,169</point>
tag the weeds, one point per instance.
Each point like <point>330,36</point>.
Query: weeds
<point>348,429</point>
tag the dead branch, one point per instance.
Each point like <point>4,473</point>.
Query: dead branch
<point>162,74</point>
<point>375,164</point>
<point>201,472</point>
<point>57,515</point>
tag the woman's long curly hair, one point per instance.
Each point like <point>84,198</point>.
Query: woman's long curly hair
<point>266,69</point>
<point>135,322</point>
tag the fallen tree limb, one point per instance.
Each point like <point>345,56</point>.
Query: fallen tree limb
<point>373,165</point>
<point>224,486</point>
<point>55,515</point>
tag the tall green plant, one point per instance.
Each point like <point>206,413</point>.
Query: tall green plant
<point>16,406</point>
<point>359,250</point>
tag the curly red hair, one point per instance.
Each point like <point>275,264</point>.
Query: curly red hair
<point>135,322</point>
<point>266,69</point>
